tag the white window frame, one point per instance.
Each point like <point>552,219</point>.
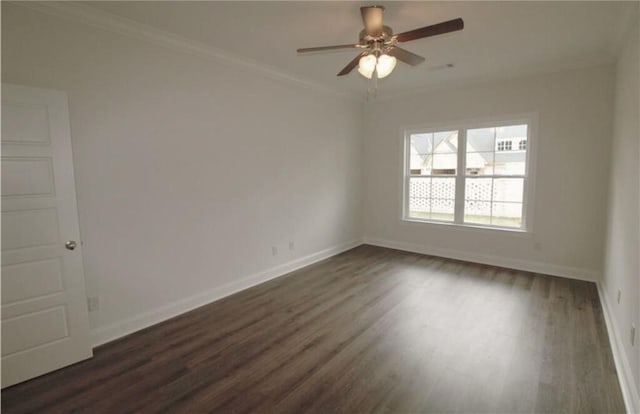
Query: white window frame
<point>531,119</point>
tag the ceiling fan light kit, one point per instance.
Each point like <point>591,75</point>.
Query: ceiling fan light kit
<point>366,65</point>
<point>380,46</point>
<point>383,65</point>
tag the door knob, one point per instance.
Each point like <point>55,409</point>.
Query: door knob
<point>70,245</point>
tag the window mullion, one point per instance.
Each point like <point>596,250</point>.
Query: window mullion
<point>460,177</point>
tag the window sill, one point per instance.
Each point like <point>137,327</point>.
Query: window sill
<point>471,227</point>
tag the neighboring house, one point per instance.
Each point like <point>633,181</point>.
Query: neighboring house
<point>486,154</point>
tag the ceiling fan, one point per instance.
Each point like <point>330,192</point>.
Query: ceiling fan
<point>380,46</point>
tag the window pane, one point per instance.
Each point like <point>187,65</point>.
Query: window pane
<point>510,163</point>
<point>478,189</point>
<point>420,187</point>
<point>419,205</point>
<point>422,143</point>
<point>418,164</point>
<point>445,142</point>
<point>494,201</point>
<point>479,163</point>
<point>432,198</point>
<point>507,214</point>
<point>508,189</point>
<point>480,140</point>
<point>419,197</point>
<point>442,209</point>
<point>444,164</point>
<point>443,188</point>
<point>477,212</point>
<point>511,132</point>
<point>433,154</point>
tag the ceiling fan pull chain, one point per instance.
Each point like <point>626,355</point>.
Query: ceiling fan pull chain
<point>375,83</point>
<point>370,89</point>
<point>372,86</point>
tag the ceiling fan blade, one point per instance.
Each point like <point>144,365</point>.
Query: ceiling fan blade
<point>322,48</point>
<point>352,64</point>
<point>372,18</point>
<point>433,30</point>
<point>405,56</point>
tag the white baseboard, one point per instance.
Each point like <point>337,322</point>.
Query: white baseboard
<point>127,326</point>
<point>518,264</point>
<point>625,375</point>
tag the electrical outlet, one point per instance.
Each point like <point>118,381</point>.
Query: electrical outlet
<point>633,334</point>
<point>292,245</point>
<point>619,295</point>
<point>274,250</point>
<point>93,303</point>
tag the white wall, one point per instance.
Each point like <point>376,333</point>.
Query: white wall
<point>622,270</point>
<point>573,139</point>
<point>187,170</point>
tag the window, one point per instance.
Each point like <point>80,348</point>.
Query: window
<point>468,176</point>
<point>504,145</point>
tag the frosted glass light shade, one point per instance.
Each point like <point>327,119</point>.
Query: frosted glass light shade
<point>385,65</point>
<point>366,65</point>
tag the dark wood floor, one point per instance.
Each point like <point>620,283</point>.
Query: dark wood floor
<point>372,329</point>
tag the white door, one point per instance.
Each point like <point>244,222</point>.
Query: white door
<point>44,308</point>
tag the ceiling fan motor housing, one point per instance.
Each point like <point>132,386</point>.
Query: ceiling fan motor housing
<point>372,19</point>
<point>385,35</point>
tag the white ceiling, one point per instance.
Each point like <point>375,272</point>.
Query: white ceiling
<point>500,39</point>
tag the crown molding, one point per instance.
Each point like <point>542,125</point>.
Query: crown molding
<point>90,16</point>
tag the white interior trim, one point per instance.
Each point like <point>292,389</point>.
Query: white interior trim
<point>97,18</point>
<point>130,325</point>
<point>625,375</point>
<point>518,264</point>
